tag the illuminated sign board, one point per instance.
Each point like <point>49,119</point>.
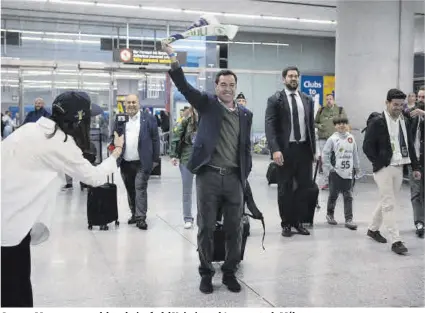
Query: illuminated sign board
<point>136,56</point>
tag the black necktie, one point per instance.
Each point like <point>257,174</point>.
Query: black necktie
<point>297,132</point>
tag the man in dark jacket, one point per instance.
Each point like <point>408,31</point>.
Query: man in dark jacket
<point>139,156</point>
<point>388,145</point>
<point>289,124</point>
<point>38,112</point>
<point>222,160</point>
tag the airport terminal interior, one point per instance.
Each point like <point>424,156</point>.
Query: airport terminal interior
<point>350,51</point>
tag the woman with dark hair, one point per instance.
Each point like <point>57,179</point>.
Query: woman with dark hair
<point>184,135</point>
<point>35,158</point>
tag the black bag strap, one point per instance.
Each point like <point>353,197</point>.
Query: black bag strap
<point>264,227</point>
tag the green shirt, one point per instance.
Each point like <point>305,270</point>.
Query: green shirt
<point>183,137</point>
<point>324,120</point>
<point>226,152</point>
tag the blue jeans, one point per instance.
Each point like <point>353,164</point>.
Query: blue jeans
<point>187,182</point>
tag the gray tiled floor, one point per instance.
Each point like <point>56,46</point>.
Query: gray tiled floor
<point>129,267</point>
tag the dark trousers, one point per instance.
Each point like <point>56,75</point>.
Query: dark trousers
<point>214,192</point>
<point>136,184</point>
<point>16,289</point>
<point>338,185</point>
<point>297,168</point>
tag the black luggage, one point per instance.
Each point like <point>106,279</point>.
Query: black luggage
<point>219,240</point>
<point>156,171</point>
<point>272,173</point>
<point>102,205</point>
<point>312,195</point>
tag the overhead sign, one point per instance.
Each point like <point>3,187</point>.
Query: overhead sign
<point>313,86</point>
<point>138,56</point>
<point>134,56</point>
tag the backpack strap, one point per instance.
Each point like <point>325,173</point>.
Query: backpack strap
<point>340,110</point>
<point>264,227</point>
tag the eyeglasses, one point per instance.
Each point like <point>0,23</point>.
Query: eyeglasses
<point>132,102</point>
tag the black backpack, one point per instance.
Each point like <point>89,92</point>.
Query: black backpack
<point>371,117</point>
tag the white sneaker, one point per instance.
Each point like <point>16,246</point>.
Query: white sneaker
<point>188,225</point>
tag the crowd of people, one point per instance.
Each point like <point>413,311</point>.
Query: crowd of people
<point>211,143</point>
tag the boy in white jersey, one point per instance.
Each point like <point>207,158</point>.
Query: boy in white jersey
<point>341,161</point>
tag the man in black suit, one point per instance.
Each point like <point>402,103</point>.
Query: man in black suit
<point>389,146</point>
<point>222,161</point>
<point>291,138</point>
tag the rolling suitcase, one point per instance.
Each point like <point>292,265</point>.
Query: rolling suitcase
<point>312,199</point>
<point>156,171</point>
<point>219,240</point>
<point>102,205</point>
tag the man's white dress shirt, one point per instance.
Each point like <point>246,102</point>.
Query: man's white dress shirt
<point>132,131</point>
<point>301,114</point>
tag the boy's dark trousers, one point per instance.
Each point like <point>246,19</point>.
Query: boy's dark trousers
<point>338,185</point>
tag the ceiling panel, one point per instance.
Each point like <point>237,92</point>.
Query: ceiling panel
<point>313,20</point>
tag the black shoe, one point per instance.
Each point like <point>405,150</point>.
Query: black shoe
<point>286,231</point>
<point>301,230</point>
<point>206,284</point>
<point>141,224</point>
<point>420,230</point>
<point>132,220</point>
<point>376,235</point>
<point>398,247</point>
<point>231,282</point>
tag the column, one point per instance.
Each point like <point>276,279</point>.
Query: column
<point>374,53</point>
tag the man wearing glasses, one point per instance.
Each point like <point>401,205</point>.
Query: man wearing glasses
<point>289,122</point>
<point>140,155</point>
<point>388,146</point>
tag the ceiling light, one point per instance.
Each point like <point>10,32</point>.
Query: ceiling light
<point>194,12</point>
<point>71,2</point>
<point>61,40</point>
<point>161,9</point>
<point>274,44</point>
<point>241,15</point>
<point>9,71</point>
<point>121,6</point>
<point>316,21</point>
<point>246,43</point>
<point>278,18</point>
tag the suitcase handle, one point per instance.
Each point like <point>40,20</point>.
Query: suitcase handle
<point>112,175</point>
<point>316,170</point>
